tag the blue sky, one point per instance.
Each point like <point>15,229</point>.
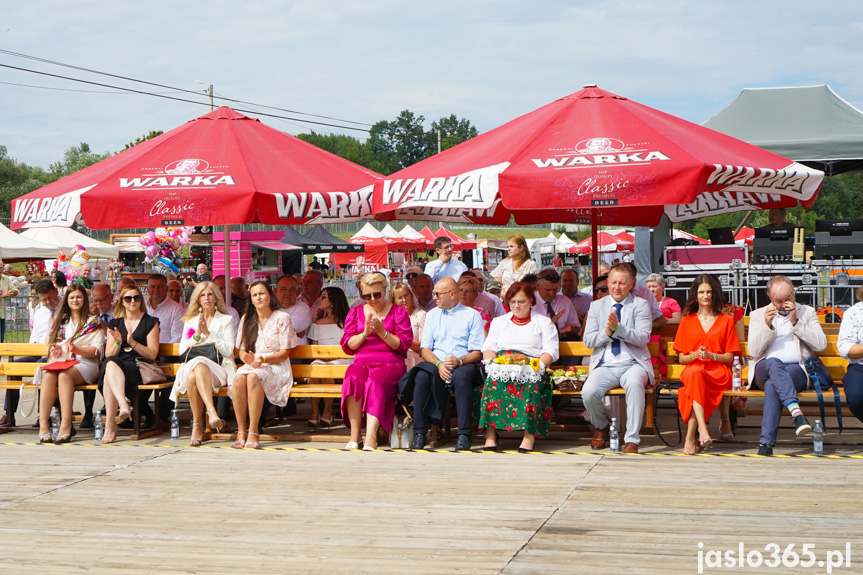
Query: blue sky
<point>366,61</point>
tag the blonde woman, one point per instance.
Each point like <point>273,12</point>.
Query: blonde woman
<point>132,334</point>
<point>205,322</point>
<point>517,265</point>
<point>75,336</point>
<point>402,294</point>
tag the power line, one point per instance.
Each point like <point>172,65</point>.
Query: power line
<point>158,95</point>
<point>54,62</point>
<point>81,91</point>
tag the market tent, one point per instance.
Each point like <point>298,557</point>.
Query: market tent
<point>16,246</point>
<point>746,235</point>
<point>322,236</point>
<point>563,244</point>
<point>457,242</point>
<point>65,239</point>
<point>410,233</point>
<point>377,249</point>
<point>607,243</point>
<point>810,124</point>
<point>390,232</point>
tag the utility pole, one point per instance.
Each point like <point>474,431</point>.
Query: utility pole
<point>210,92</point>
<point>438,141</point>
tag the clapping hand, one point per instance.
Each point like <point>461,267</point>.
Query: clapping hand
<point>370,319</point>
<point>612,323</point>
<point>56,350</point>
<point>115,334</point>
<point>202,326</point>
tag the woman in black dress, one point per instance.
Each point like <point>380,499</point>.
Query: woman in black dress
<point>120,377</point>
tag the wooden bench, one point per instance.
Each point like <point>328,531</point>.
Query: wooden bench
<point>835,365</point>
<point>11,368</point>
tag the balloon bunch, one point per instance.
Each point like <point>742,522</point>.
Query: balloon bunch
<point>71,267</point>
<point>162,246</point>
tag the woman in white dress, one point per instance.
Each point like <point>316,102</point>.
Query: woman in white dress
<point>328,331</point>
<point>264,341</point>
<point>517,265</point>
<point>74,337</point>
<point>402,294</point>
<point>206,322</point>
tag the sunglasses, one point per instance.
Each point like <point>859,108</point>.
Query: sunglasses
<point>411,276</point>
<point>600,289</point>
<point>442,293</point>
<point>373,295</point>
<point>554,278</point>
<point>131,298</point>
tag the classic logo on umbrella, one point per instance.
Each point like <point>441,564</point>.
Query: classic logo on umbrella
<point>188,172</point>
<point>599,146</point>
<point>595,151</point>
<point>187,166</point>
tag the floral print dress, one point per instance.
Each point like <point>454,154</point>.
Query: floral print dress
<point>276,378</point>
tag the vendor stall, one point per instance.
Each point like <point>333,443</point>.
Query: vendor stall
<point>254,255</point>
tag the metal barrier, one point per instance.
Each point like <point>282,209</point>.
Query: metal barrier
<point>17,319</point>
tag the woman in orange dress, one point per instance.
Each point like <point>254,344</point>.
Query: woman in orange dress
<point>707,342</point>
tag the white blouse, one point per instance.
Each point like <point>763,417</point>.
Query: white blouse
<point>508,276</point>
<point>537,337</point>
<point>851,331</point>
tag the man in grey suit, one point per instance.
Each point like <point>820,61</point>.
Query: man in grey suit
<point>618,329</point>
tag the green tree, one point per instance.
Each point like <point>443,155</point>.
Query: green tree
<point>403,140</point>
<point>76,158</point>
<point>17,179</point>
<point>452,133</point>
<point>152,134</point>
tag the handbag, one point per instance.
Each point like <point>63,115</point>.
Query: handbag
<point>206,350</point>
<point>402,433</point>
<point>150,372</point>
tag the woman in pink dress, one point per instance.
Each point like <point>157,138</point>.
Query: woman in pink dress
<point>379,335</point>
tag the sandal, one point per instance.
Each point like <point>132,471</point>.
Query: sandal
<point>240,443</point>
<point>252,444</point>
<point>216,424</point>
<point>124,414</point>
<point>195,442</point>
<point>704,444</point>
<point>725,436</point>
<point>45,437</point>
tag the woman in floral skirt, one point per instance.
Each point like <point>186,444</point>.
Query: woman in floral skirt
<point>517,393</point>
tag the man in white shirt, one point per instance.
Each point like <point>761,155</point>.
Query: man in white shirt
<point>8,288</point>
<point>43,321</point>
<point>569,288</point>
<point>286,293</point>
<point>313,283</point>
<point>555,306</point>
<point>175,293</point>
<point>167,311</point>
<point>445,266</point>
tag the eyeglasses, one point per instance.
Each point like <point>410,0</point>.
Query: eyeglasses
<point>131,298</point>
<point>554,278</point>
<point>411,276</point>
<point>602,288</point>
<point>445,248</point>
<point>442,293</point>
<point>373,295</point>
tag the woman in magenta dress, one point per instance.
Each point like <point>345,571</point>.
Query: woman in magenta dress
<point>379,335</point>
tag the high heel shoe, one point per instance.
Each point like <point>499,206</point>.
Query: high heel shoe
<point>252,444</point>
<point>725,436</point>
<point>195,442</point>
<point>704,444</point>
<point>45,437</point>
<point>325,423</point>
<point>240,443</point>
<point>217,423</point>
<point>496,442</point>
<point>124,415</point>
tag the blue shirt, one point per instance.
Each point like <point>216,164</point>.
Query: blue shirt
<point>457,331</point>
<point>437,270</point>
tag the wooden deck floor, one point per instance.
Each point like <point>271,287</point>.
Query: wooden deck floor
<point>154,508</point>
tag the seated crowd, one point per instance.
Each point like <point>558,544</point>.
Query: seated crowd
<point>422,341</point>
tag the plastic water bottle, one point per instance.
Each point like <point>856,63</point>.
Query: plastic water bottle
<point>817,439</point>
<point>55,422</point>
<point>614,437</point>
<point>736,375</point>
<point>98,428</point>
<point>175,426</point>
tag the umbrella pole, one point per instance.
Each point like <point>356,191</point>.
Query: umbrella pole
<point>226,253</point>
<point>594,240</point>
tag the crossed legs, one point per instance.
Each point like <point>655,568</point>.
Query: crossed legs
<point>114,394</point>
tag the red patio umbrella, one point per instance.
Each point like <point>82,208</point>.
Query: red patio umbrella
<point>595,157</point>
<point>219,169</point>
<point>607,242</point>
<point>746,235</point>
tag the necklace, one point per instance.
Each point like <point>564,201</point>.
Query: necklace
<point>520,321</point>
